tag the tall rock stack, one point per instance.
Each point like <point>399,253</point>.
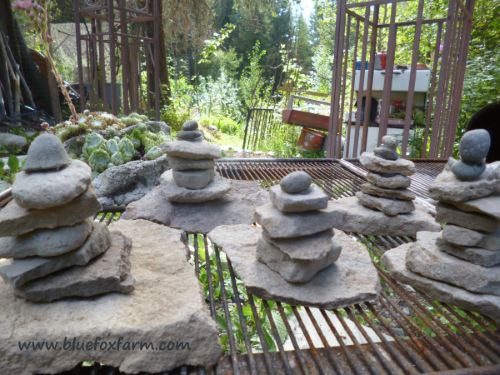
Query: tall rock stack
<point>297,236</point>
<point>461,264</point>
<point>192,178</point>
<point>53,247</point>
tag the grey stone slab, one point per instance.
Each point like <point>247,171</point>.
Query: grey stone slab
<point>447,188</point>
<point>314,199</point>
<point>167,306</point>
<point>394,262</point>
<point>198,179</point>
<point>467,237</point>
<point>293,270</point>
<point>288,225</point>
<point>313,247</point>
<point>20,271</point>
<point>181,164</point>
<point>214,190</point>
<point>450,215</point>
<point>190,135</point>
<point>236,207</point>
<point>394,181</point>
<point>428,260</point>
<point>16,220</point>
<point>43,190</point>
<point>398,194</point>
<point>107,273</point>
<point>488,206</point>
<point>46,242</point>
<point>376,164</point>
<point>296,182</point>
<point>479,256</point>
<point>193,150</point>
<point>354,217</point>
<point>390,207</point>
<point>45,153</point>
<point>351,279</point>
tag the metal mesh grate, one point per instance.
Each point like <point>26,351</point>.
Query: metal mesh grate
<point>403,333</point>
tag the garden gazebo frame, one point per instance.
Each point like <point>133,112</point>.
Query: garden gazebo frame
<point>359,35</point>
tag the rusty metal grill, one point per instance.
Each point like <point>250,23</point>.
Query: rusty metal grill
<point>404,332</point>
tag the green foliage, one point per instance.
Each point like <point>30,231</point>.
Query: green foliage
<point>253,85</point>
<point>223,124</point>
<point>99,160</point>
<point>212,45</point>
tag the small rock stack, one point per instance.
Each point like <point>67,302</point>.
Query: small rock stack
<point>388,179</point>
<point>57,249</point>
<point>297,237</point>
<point>192,178</point>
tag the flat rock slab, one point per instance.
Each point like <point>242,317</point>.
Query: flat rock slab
<point>470,238</point>
<point>395,181</point>
<point>451,215</point>
<point>166,307</point>
<point>489,206</point>
<point>16,220</point>
<point>402,194</point>
<point>192,150</point>
<point>428,260</point>
<point>20,271</point>
<point>197,179</point>
<point>446,187</point>
<point>394,262</point>
<point>354,217</point>
<point>181,164</point>
<point>236,207</point>
<point>46,242</point>
<point>390,207</point>
<point>43,190</point>
<point>376,164</point>
<point>313,199</point>
<point>108,273</point>
<point>479,256</point>
<point>351,279</point>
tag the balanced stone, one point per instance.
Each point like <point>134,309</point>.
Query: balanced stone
<point>489,206</point>
<point>476,255</point>
<point>315,199</point>
<point>192,150</point>
<point>451,215</point>
<point>389,181</point>
<point>46,153</point>
<point>376,164</point>
<point>474,146</point>
<point>20,271</point>
<point>288,225</point>
<point>196,179</point>
<point>190,125</point>
<point>467,237</point>
<point>107,273</point>
<point>51,189</point>
<point>46,242</point>
<point>296,183</point>
<point>16,220</point>
<point>295,271</point>
<point>399,194</point>
<point>313,247</point>
<point>181,164</point>
<point>214,190</point>
<point>426,259</point>
<point>390,207</point>
<point>387,150</point>
<point>464,171</point>
<point>190,135</point>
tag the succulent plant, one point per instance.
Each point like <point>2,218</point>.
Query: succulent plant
<point>99,160</point>
<point>153,153</point>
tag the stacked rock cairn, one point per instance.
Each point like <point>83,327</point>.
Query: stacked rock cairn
<point>53,247</point>
<point>303,249</point>
<point>192,178</point>
<point>388,180</point>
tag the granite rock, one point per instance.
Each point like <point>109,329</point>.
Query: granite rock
<point>107,273</point>
<point>314,199</point>
<point>376,164</point>
<point>488,206</point>
<point>181,164</point>
<point>296,183</point>
<point>470,238</point>
<point>351,279</point>
<point>193,150</point>
<point>216,189</point>
<point>51,189</point>
<point>398,194</point>
<point>20,271</point>
<point>292,270</point>
<point>167,306</point>
<point>389,181</point>
<point>16,220</point>
<point>394,262</point>
<point>475,221</point>
<point>289,225</point>
<point>354,217</point>
<point>474,146</point>
<point>476,255</point>
<point>426,259</point>
<point>46,242</point>
<point>46,153</point>
<point>236,207</point>
<point>190,135</point>
<point>390,207</point>
<point>193,179</point>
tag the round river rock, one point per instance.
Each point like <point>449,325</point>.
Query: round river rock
<point>296,182</point>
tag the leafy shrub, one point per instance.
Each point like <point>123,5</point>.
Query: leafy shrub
<point>223,124</point>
